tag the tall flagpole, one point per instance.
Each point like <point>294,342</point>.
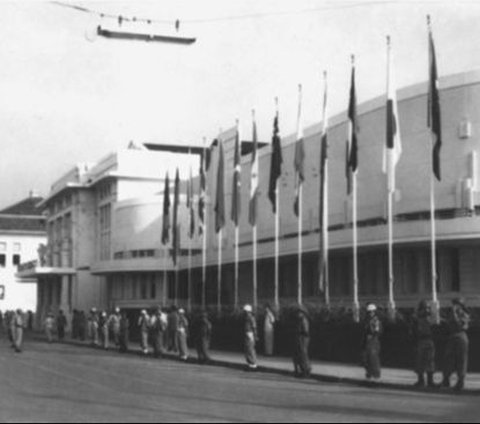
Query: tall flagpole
<point>277,233</point>
<point>390,192</point>
<point>254,235</point>
<point>204,230</point>
<point>435,303</point>
<point>190,235</point>
<point>165,283</point>
<point>356,304</point>
<point>300,208</point>
<point>219,274</point>
<point>325,220</point>
<point>237,229</point>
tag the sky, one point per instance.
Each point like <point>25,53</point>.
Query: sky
<point>66,97</point>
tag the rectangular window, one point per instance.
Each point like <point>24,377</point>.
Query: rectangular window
<point>16,260</point>
<point>143,287</point>
<point>3,260</point>
<point>17,247</point>
<point>153,287</point>
<point>3,247</point>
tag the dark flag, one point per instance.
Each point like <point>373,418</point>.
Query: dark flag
<point>352,145</point>
<point>220,199</point>
<point>252,215</point>
<point>236,181</point>
<point>323,215</point>
<point>434,119</point>
<point>275,163</point>
<point>175,226</point>
<point>190,205</point>
<point>166,212</point>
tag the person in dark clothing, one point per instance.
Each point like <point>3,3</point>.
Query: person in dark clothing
<point>124,333</point>
<point>203,336</point>
<point>158,326</point>
<point>251,338</point>
<point>182,335</point>
<point>75,317</point>
<point>82,326</point>
<point>456,352</point>
<point>371,352</point>
<point>172,330</point>
<point>103,329</point>
<point>425,347</point>
<point>61,325</point>
<point>19,328</point>
<point>301,362</point>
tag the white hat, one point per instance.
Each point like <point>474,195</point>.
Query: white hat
<point>247,308</point>
<point>181,311</point>
<point>144,312</point>
<point>371,307</point>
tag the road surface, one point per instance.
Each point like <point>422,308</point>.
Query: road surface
<point>64,383</point>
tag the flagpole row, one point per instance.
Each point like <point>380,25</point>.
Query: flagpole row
<point>356,304</point>
<point>277,245</point>
<point>236,265</point>
<point>300,230</point>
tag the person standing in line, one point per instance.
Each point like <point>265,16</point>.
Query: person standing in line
<point>19,328</point>
<point>114,325</point>
<point>372,347</point>
<point>8,326</point>
<point>203,336</point>
<point>182,335</point>
<point>12,328</point>
<point>268,330</point>
<point>251,337</point>
<point>49,326</point>
<point>82,326</point>
<point>103,325</point>
<point>30,320</point>
<point>143,323</point>
<point>172,330</point>
<point>61,325</point>
<point>75,325</point>
<point>158,325</point>
<point>301,361</point>
<point>124,333</point>
<point>425,347</point>
<point>456,352</point>
<point>93,327</point>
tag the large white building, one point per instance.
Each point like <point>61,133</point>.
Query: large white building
<point>22,235</point>
<point>105,219</point>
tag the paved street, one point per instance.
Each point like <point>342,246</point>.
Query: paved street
<point>65,383</point>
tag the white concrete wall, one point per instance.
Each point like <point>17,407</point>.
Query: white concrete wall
<point>19,295</point>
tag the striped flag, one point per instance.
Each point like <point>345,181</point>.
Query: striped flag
<point>323,216</point>
<point>252,212</point>
<point>237,181</point>
<point>175,226</point>
<point>352,144</point>
<point>393,148</point>
<point>434,118</point>
<point>299,159</point>
<point>275,163</point>
<point>166,212</point>
<point>220,199</point>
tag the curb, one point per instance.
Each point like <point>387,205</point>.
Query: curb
<point>324,378</point>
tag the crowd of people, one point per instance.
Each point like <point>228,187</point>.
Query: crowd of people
<point>167,330</point>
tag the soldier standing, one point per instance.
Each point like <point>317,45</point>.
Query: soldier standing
<point>456,352</point>
<point>103,325</point>
<point>172,330</point>
<point>203,336</point>
<point>250,331</point>
<point>114,324</point>
<point>124,330</point>
<point>425,347</point>
<point>301,362</point>
<point>158,326</point>
<point>49,326</point>
<point>19,327</point>
<point>268,330</point>
<point>61,324</point>
<point>371,354</point>
<point>182,335</point>
<point>143,323</point>
<point>93,327</point>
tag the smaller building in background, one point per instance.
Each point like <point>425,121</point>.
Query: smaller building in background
<point>22,237</point>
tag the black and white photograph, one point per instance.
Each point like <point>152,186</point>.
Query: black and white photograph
<point>239,211</point>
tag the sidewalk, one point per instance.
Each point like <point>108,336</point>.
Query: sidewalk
<point>392,378</point>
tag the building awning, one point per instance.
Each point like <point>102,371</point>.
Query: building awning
<point>26,275</point>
